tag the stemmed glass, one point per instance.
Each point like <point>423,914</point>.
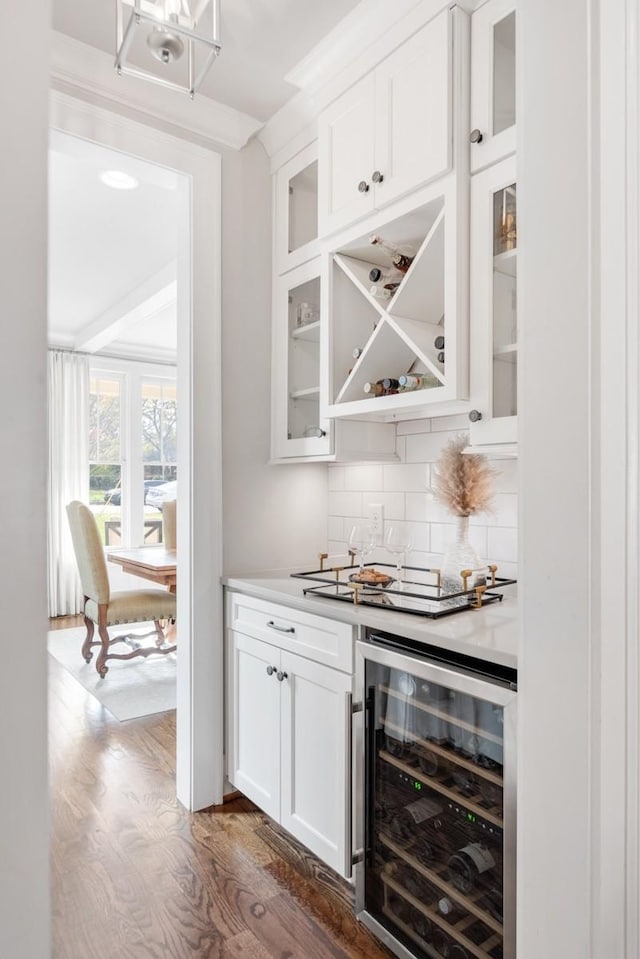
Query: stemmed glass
<point>362,540</point>
<point>398,541</point>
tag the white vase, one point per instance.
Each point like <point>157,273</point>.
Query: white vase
<point>460,555</point>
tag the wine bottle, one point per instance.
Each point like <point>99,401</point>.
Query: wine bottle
<point>458,952</point>
<point>377,389</point>
<point>448,908</point>
<point>378,273</point>
<point>442,943</point>
<point>441,356</point>
<point>380,293</point>
<point>408,819</point>
<point>416,381</point>
<point>356,352</point>
<point>439,342</point>
<point>431,763</point>
<point>389,383</point>
<point>401,261</point>
<point>373,389</point>
<point>468,864</point>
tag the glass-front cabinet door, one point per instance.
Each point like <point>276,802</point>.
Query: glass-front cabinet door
<point>494,305</point>
<point>493,83</point>
<point>439,854</point>
<point>297,209</point>
<point>298,430</point>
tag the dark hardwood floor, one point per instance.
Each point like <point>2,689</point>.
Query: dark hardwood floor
<point>134,875</point>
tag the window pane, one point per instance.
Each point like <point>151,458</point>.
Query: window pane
<point>105,467</point>
<point>159,448</point>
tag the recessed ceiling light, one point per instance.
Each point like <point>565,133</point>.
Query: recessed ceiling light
<point>118,180</point>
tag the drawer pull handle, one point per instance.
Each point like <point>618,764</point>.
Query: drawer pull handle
<point>282,676</point>
<point>271,670</point>
<point>280,629</point>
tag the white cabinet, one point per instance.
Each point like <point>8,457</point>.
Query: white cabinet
<point>494,308</point>
<point>296,210</point>
<point>289,721</point>
<point>493,83</point>
<point>389,133</point>
<point>298,430</point>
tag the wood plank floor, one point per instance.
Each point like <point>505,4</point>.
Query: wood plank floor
<point>135,876</point>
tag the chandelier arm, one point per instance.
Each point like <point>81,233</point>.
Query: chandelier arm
<point>123,49</point>
<point>211,56</point>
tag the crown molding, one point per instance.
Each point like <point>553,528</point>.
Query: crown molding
<point>87,73</point>
<point>353,48</point>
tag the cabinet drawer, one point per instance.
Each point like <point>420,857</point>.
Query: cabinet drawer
<point>319,639</point>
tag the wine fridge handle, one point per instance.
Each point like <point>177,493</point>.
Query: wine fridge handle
<point>353,714</point>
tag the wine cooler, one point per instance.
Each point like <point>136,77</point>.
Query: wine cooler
<point>437,786</point>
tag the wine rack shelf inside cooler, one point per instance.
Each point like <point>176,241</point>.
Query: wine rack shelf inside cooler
<point>454,930</point>
<point>446,715</point>
<point>470,803</point>
<point>435,876</point>
<point>453,758</point>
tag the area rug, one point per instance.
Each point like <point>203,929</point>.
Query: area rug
<point>132,688</point>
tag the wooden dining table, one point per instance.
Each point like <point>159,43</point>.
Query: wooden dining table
<point>149,562</point>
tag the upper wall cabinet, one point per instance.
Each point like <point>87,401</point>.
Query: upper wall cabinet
<point>493,83</point>
<point>389,133</point>
<point>296,201</point>
<point>494,308</point>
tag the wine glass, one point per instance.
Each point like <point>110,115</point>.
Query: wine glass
<point>362,540</point>
<point>398,542</point>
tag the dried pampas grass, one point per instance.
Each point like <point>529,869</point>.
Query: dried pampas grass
<point>463,482</point>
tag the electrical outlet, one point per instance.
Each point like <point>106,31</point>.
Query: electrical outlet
<point>376,519</point>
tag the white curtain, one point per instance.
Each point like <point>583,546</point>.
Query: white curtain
<point>68,382</point>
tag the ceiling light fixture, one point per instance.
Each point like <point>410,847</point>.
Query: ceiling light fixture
<point>118,180</point>
<point>170,26</point>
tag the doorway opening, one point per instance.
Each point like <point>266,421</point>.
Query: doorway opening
<point>197,364</point>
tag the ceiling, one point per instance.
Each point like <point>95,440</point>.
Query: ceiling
<point>112,252</point>
<point>261,41</point>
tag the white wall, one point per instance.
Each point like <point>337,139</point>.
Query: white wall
<point>402,489</point>
<point>274,516</point>
<point>558,516</point>
<point>24,825</point>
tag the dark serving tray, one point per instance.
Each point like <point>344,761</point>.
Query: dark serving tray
<point>419,592</point>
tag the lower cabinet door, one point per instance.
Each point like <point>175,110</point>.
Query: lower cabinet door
<point>256,722</point>
<point>316,776</point>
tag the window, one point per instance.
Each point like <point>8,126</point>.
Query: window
<point>132,448</point>
<point>105,459</point>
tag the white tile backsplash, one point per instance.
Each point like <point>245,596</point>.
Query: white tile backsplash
<point>336,477</point>
<point>343,503</point>
<point>403,490</point>
<point>404,477</point>
<point>363,477</point>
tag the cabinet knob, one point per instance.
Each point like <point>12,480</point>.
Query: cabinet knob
<point>476,136</point>
<point>271,670</point>
<point>363,186</point>
<point>475,415</point>
<point>282,676</point>
<point>377,177</point>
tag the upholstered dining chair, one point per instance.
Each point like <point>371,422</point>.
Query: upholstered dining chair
<point>169,523</point>
<point>105,608</point>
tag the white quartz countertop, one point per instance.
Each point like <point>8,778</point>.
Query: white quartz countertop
<point>489,634</point>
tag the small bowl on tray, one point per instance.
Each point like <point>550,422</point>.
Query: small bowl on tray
<point>371,577</point>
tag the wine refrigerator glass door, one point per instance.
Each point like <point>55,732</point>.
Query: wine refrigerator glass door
<point>438,876</point>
